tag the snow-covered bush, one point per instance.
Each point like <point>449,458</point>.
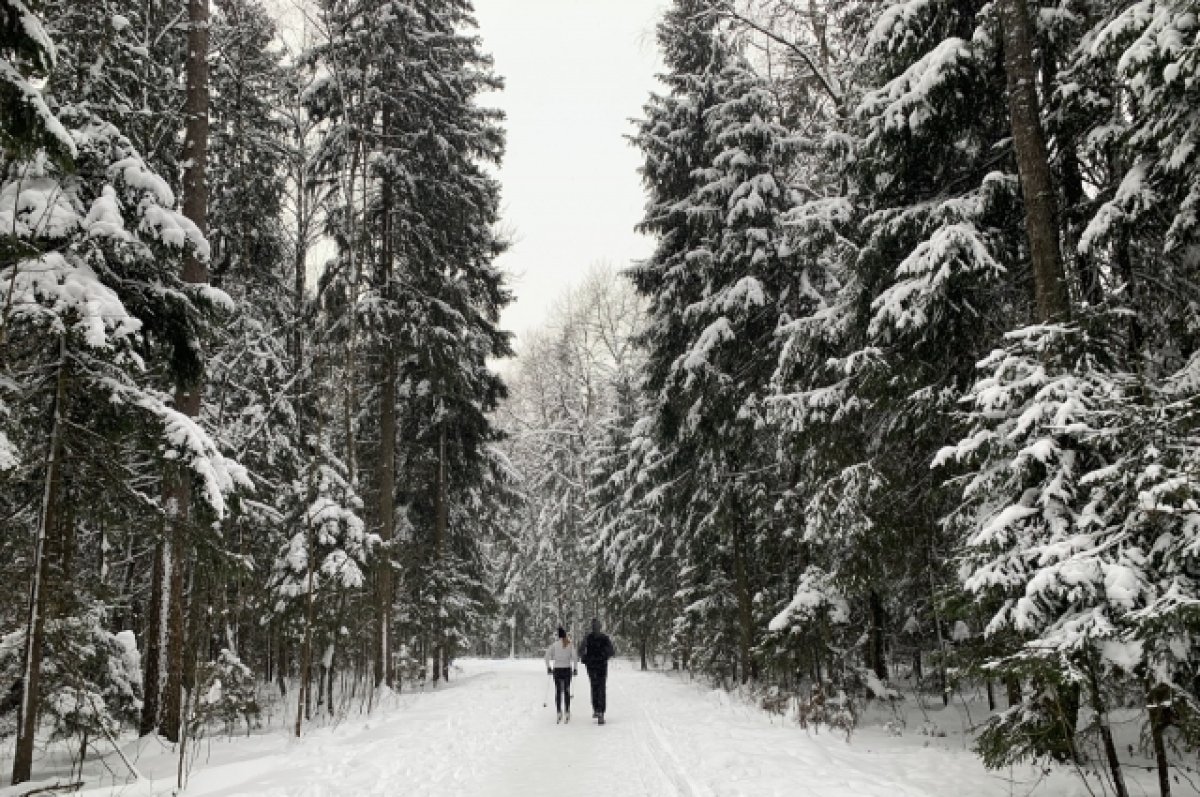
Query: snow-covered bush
<point>832,708</point>
<point>226,692</point>
<point>1082,523</point>
<point>91,678</point>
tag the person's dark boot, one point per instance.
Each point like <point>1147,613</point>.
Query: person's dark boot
<point>599,719</point>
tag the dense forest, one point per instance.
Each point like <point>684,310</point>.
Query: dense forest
<point>196,487</point>
<point>905,399</point>
<point>916,393</point>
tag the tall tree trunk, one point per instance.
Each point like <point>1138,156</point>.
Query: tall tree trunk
<point>178,494</point>
<point>440,527</point>
<point>1012,691</point>
<point>1161,718</point>
<point>300,264</point>
<point>384,666</point>
<point>876,644</point>
<point>188,396</point>
<point>302,694</point>
<point>1106,737</point>
<point>745,609</point>
<point>1033,164</point>
<point>156,639</point>
<point>35,627</point>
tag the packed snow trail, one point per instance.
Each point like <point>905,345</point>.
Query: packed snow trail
<point>487,734</point>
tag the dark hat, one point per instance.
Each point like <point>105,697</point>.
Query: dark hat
<point>596,626</point>
<point>561,632</point>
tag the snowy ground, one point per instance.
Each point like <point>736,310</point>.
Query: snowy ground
<point>488,735</point>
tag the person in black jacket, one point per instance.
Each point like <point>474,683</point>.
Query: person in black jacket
<point>594,651</point>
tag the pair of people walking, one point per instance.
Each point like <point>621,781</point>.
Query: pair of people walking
<point>562,662</point>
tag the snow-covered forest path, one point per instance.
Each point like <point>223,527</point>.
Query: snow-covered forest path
<point>488,735</point>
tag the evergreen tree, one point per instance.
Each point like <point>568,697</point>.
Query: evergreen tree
<point>717,168</point>
<point>429,303</point>
<point>83,304</point>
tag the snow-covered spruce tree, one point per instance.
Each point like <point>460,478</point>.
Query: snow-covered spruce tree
<point>428,298</point>
<point>29,55</point>
<point>1079,508</point>
<point>318,570</point>
<point>122,60</point>
<point>355,99</point>
<point>919,252</point>
<point>1128,91</point>
<point>255,394</point>
<point>449,299</point>
<point>1079,513</point>
<point>717,169</point>
<point>91,679</point>
<point>630,535</point>
<point>83,314</point>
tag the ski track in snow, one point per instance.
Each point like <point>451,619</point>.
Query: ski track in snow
<point>487,734</point>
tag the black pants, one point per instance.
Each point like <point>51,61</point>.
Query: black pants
<point>562,688</point>
<point>598,675</point>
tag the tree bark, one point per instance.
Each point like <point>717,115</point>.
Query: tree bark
<point>1012,690</point>
<point>1033,164</point>
<point>177,495</point>
<point>876,645</point>
<point>1106,737</point>
<point>306,650</point>
<point>35,627</point>
<point>155,642</point>
<point>440,526</point>
<point>384,667</point>
<point>188,395</point>
<point>745,609</point>
<point>1161,718</point>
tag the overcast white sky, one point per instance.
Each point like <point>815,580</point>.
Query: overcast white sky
<point>576,72</point>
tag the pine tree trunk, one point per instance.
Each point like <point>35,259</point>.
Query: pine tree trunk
<point>329,674</point>
<point>128,612</point>
<point>1033,164</point>
<point>172,692</point>
<point>384,667</point>
<point>1106,737</point>
<point>1012,689</point>
<point>440,526</point>
<point>943,680</point>
<point>876,641</point>
<point>155,640</point>
<point>306,649</point>
<point>35,627</point>
<point>177,489</point>
<point>1160,720</point>
<point>281,666</point>
<point>300,263</point>
<point>745,612</point>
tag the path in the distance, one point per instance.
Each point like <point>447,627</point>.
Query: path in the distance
<point>488,735</point>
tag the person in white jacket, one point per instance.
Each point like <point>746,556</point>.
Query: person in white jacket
<point>562,663</point>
